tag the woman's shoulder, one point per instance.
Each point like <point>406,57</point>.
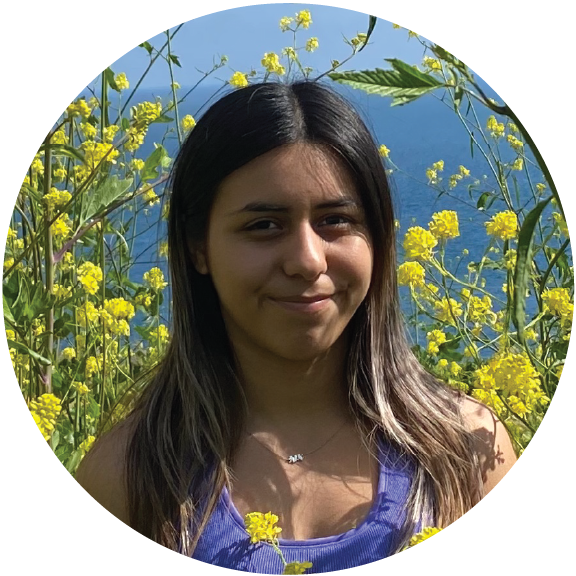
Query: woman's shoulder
<point>101,473</point>
<point>491,440</point>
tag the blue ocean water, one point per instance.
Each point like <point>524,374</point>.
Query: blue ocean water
<point>417,134</point>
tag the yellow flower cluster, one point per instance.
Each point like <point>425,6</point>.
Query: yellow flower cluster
<point>423,535</point>
<point>238,80</point>
<point>93,365</point>
<point>516,144</point>
<point>311,44</point>
<point>518,164</point>
<point>384,151</point>
<point>89,130</point>
<point>121,81</point>
<point>45,410</point>
<point>94,154</point>
<point>411,274</point>
<point>143,299</point>
<point>155,279</point>
<point>418,243</point>
<point>297,567</point>
<point>261,527</point>
<point>480,308</point>
<point>495,128</point>
<point>79,108</point>
<point>110,132</point>
<point>432,63</point>
<point>463,172</point>
<point>68,353</point>
<point>435,338</point>
<point>150,197</point>
<point>188,123</point>
<point>115,315</point>
<point>162,333</point>
<point>61,291</point>
<point>503,225</point>
<point>272,63</point>
<point>56,199</point>
<point>90,276</point>
<point>61,227</point>
<point>146,112</point>
<point>81,388</point>
<point>304,18</point>
<point>87,312</point>
<point>561,223</point>
<point>87,444</point>
<point>59,137</point>
<point>557,302</point>
<point>447,309</point>
<point>515,377</point>
<point>444,224</point>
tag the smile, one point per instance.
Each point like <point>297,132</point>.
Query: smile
<point>306,305</point>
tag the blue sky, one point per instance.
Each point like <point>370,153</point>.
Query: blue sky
<point>244,34</point>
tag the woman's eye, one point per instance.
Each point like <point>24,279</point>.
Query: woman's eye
<point>337,220</point>
<point>262,225</point>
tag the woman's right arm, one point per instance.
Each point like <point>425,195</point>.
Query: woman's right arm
<point>101,472</point>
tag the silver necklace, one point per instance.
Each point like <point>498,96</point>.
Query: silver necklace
<point>299,456</point>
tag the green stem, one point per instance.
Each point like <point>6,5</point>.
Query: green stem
<point>176,116</point>
<point>49,266</point>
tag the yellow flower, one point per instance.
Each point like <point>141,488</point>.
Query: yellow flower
<point>432,176</point>
<point>285,23</point>
<point>418,243</point>
<point>81,388</point>
<point>87,444</point>
<point>92,366</point>
<point>516,144</point>
<point>297,567</point>
<point>87,312</point>
<point>518,164</point>
<point>495,128</point>
<point>79,108</point>
<point>69,353</point>
<point>447,309</point>
<point>137,164</point>
<point>444,224</point>
<point>435,338</point>
<point>238,80</point>
<point>432,63</point>
<point>561,223</point>
<point>491,399</point>
<point>61,291</point>
<point>289,52</point>
<point>121,81</point>
<point>90,276</point>
<point>423,535</point>
<point>540,187</point>
<point>272,63</point>
<point>146,112</point>
<point>188,123</point>
<point>455,369</point>
<point>304,18</point>
<point>442,364</point>
<point>155,279</point>
<point>312,44</point>
<point>45,411</point>
<point>453,180</point>
<point>557,302</point>
<point>384,151</point>
<point>59,137</point>
<point>109,133</point>
<point>439,166</point>
<point>61,226</point>
<point>411,274</point>
<point>56,199</point>
<point>464,171</point>
<point>88,130</point>
<point>479,308</point>
<point>261,527</point>
<point>150,197</point>
<point>503,225</point>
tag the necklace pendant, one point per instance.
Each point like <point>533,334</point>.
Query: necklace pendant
<point>295,458</point>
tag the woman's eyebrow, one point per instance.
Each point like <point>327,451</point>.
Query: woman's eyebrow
<point>267,207</point>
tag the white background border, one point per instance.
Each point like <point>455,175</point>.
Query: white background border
<point>52,50</point>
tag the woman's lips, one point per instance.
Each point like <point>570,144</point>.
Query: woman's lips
<point>305,304</point>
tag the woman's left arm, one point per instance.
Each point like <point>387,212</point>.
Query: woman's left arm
<point>492,442</point>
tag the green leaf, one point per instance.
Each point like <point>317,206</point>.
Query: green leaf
<point>152,163</point>
<point>471,143</point>
<point>458,93</point>
<point>486,200</point>
<point>403,82</point>
<point>110,190</point>
<point>147,46</point>
<point>7,310</point>
<point>162,119</point>
<point>64,150</point>
<point>523,265</point>
<point>175,60</point>
<point>125,124</point>
<point>25,350</point>
<point>371,24</point>
<point>109,75</point>
<point>74,461</point>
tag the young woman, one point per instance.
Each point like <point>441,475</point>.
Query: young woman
<point>289,385</point>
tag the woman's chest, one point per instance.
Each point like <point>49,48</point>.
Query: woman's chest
<point>312,499</point>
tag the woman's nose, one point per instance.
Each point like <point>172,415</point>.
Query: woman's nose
<point>305,254</point>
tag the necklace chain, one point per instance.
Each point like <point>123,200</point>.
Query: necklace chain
<point>298,457</point>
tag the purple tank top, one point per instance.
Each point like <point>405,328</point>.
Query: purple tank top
<point>225,541</point>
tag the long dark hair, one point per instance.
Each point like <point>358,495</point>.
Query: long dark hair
<point>191,416</point>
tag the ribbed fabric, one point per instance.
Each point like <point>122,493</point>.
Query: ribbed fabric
<point>225,541</point>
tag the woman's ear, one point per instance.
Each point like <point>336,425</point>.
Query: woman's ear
<point>198,254</point>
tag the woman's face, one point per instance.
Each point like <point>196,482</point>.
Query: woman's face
<point>289,252</point>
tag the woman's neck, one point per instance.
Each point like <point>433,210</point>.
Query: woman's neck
<point>284,394</point>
